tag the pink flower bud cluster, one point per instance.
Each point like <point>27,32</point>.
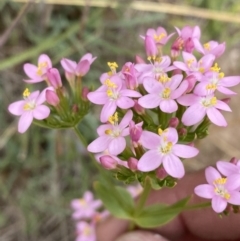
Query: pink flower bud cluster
<point>158,100</point>
<point>37,105</point>
<point>223,190</point>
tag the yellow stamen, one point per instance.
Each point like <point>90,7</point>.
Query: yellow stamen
<point>211,87</point>
<point>189,62</point>
<point>211,102</point>
<point>108,132</point>
<point>40,68</point>
<point>166,93</point>
<point>26,93</point>
<point>227,196</point>
<point>27,107</point>
<point>207,46</point>
<point>110,84</point>
<point>159,37</point>
<point>215,68</point>
<point>163,78</point>
<point>112,65</point>
<point>113,119</point>
<point>160,131</point>
<point>109,93</point>
<point>220,181</point>
<point>167,148</point>
<point>201,70</point>
<point>221,75</point>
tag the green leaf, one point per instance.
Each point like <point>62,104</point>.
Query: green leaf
<point>117,200</point>
<point>159,214</point>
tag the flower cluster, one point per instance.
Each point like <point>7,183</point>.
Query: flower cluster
<point>224,191</point>
<point>153,111</point>
<point>54,100</point>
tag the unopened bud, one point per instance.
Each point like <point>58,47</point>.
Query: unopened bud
<point>234,160</point>
<point>132,163</point>
<point>226,100</point>
<point>85,92</point>
<point>161,173</point>
<point>151,48</point>
<point>52,98</point>
<point>138,108</point>
<point>173,122</point>
<point>182,132</point>
<point>54,78</point>
<point>108,162</point>
<point>139,60</point>
<point>135,131</point>
<point>191,79</point>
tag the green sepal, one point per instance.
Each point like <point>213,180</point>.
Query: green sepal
<point>159,214</point>
<point>117,200</point>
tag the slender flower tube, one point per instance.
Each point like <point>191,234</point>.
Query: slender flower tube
<point>221,190</point>
<point>29,108</point>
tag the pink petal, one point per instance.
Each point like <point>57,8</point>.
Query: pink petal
<point>225,90</point>
<point>180,65</point>
<point>108,110</point>
<point>150,161</point>
<point>69,65</point>
<point>201,89</point>
<point>230,81</point>
<point>16,108</point>
<point>175,81</point>
<point>233,182</point>
<point>41,112</point>
<point>188,56</point>
<point>211,175</point>
<point>88,196</point>
<point>82,68</point>
<point>168,106</point>
<point>98,97</point>
<point>187,100</point>
<point>219,204</point>
<point>32,81</point>
<point>124,102</point>
<point>193,115</point>
<point>234,198</point>
<point>184,151</point>
<point>152,86</point>
<point>25,121</point>
<point>198,46</point>
<point>102,128</point>
<point>100,144</point>
<point>149,101</point>
<point>205,191</point>
<point>44,58</point>
<point>126,119</point>
<point>117,145</point>
<point>227,168</point>
<point>31,71</point>
<point>207,61</point>
<point>150,140</point>
<point>222,106</point>
<point>216,117</point>
<point>180,90</point>
<point>130,93</point>
<point>173,166</point>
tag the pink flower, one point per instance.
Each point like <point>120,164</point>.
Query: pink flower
<point>211,47</point>
<point>38,73</point>
<point>151,48</point>
<point>163,95</point>
<point>131,75</point>
<point>228,168</point>
<point>213,80</point>
<point>85,207</point>
<point>52,98</point>
<point>111,136</point>
<point>112,94</point>
<point>54,78</point>
<point>79,69</point>
<point>192,66</point>
<point>164,150</point>
<point>29,108</point>
<point>160,35</point>
<point>85,232</point>
<point>201,106</point>
<point>221,190</point>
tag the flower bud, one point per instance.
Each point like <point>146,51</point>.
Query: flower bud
<point>161,173</point>
<point>234,160</point>
<point>226,100</point>
<point>191,79</point>
<point>108,162</point>
<point>151,48</point>
<point>182,132</point>
<point>176,47</point>
<point>52,98</point>
<point>54,78</point>
<point>173,122</point>
<point>132,163</point>
<point>85,92</point>
<point>135,131</point>
<point>138,108</point>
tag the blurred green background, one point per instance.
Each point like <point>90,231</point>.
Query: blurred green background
<point>41,171</point>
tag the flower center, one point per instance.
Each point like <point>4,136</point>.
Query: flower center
<point>111,91</point>
<point>83,203</point>
<point>166,147</point>
<point>164,79</point>
<point>207,46</point>
<point>159,37</point>
<point>29,105</point>
<point>40,68</point>
<point>208,102</point>
<point>166,93</point>
<point>115,132</point>
<point>215,68</point>
<point>190,62</point>
<point>220,189</point>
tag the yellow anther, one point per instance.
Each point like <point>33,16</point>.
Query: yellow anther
<point>110,84</point>
<point>159,37</point>
<point>86,231</point>
<point>207,46</point>
<point>213,101</point>
<point>27,107</point>
<point>109,93</point>
<point>108,132</point>
<point>227,196</point>
<point>189,62</point>
<point>113,119</point>
<point>166,93</point>
<point>163,78</point>
<point>220,181</point>
<point>40,68</point>
<point>167,148</point>
<point>161,131</point>
<point>221,75</point>
<point>215,68</point>
<point>158,59</point>
<point>112,65</point>
<point>26,93</point>
<point>211,87</point>
<point>201,70</point>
